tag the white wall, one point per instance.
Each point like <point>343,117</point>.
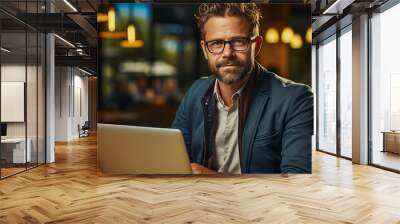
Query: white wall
<point>80,110</point>
<point>71,94</point>
<point>13,101</point>
<point>15,73</point>
<point>62,81</point>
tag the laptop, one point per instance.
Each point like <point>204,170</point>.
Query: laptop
<point>125,149</point>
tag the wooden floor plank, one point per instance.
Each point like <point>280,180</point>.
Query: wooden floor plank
<point>72,191</point>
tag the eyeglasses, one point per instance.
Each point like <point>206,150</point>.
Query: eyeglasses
<point>237,44</point>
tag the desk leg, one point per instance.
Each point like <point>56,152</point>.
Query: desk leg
<point>384,142</point>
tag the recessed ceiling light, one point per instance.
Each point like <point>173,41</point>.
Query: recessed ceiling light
<point>84,71</point>
<point>65,41</point>
<point>70,5</point>
<point>5,50</point>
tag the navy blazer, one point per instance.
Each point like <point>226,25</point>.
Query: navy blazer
<point>278,129</point>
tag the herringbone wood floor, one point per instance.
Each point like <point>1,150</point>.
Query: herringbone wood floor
<point>71,191</point>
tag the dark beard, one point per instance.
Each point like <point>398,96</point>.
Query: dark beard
<point>232,77</point>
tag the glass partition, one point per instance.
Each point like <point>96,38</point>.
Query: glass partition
<point>14,153</point>
<point>22,88</point>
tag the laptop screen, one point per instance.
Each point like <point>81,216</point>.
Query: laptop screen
<point>3,129</point>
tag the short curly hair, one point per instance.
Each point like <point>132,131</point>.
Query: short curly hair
<point>250,11</point>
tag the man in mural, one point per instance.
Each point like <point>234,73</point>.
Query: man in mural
<point>242,118</point>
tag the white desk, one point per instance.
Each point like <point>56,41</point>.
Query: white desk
<point>18,150</point>
<point>391,141</point>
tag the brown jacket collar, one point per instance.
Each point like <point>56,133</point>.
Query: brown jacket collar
<point>244,103</point>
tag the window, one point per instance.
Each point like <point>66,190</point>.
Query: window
<point>385,88</point>
<point>346,93</point>
<point>327,95</point>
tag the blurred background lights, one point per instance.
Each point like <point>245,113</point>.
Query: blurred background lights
<point>111,20</point>
<point>287,35</point>
<point>309,35</point>
<point>296,42</point>
<point>102,17</point>
<point>131,34</point>
<point>272,36</point>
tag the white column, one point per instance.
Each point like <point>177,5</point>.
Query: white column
<point>50,92</point>
<point>360,89</point>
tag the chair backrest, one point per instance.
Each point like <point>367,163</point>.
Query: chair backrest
<point>86,125</point>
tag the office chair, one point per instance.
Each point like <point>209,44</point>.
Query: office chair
<point>84,130</point>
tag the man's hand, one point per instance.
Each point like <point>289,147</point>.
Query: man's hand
<point>199,169</point>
